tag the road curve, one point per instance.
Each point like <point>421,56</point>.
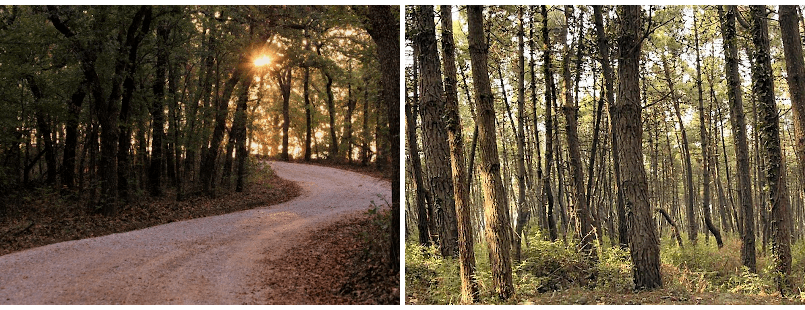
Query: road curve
<point>211,260</point>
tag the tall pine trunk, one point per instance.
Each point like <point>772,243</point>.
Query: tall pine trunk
<point>469,285</point>
<point>738,121</point>
<point>495,202</point>
<point>437,155</point>
<point>769,129</point>
<point>626,115</point>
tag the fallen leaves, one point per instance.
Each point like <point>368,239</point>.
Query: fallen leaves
<point>333,265</point>
<point>48,218</point>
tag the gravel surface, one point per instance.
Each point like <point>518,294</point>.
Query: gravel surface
<point>212,260</point>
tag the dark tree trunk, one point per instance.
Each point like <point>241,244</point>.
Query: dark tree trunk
<point>769,129</point>
<point>436,149</point>
<point>626,115</point>
<point>795,69</point>
<point>523,210</point>
<point>670,220</point>
<point>284,80</point>
<point>739,133</point>
<point>603,49</point>
<point>546,58</point>
<point>157,114</point>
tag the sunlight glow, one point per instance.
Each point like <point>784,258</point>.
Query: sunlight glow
<point>262,61</point>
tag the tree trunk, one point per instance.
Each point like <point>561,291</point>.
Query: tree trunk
<point>157,114</point>
<point>436,149</point>
<point>331,113</point>
<point>469,285</point>
<point>776,191</point>
<point>523,210</point>
<point>739,133</point>
<point>495,204</point>
<point>284,80</point>
<point>585,225</point>
<point>795,69</point>
<point>626,115</point>
<point>693,227</point>
<point>603,49</point>
<point>546,58</point>
<point>670,220</point>
<point>705,148</point>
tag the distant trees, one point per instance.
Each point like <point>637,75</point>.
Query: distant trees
<point>117,101</point>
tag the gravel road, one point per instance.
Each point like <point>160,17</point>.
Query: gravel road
<point>212,260</point>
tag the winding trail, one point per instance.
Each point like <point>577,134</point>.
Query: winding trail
<point>211,260</point>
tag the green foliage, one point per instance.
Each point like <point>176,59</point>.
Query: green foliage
<point>549,266</point>
<point>431,278</point>
<point>615,271</point>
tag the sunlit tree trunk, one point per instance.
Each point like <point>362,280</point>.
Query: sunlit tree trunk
<point>469,284</point>
<point>495,204</point>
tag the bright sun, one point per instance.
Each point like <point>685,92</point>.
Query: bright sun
<point>262,61</point>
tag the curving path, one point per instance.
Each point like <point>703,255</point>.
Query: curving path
<point>212,260</point>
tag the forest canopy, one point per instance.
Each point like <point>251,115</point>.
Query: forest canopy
<point>115,101</point>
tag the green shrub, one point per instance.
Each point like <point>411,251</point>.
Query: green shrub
<point>550,266</point>
<point>429,277</point>
<point>615,271</point>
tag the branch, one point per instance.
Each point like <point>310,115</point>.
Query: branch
<point>53,16</point>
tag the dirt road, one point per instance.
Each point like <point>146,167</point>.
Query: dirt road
<point>212,260</point>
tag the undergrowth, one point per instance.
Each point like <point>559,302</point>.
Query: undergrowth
<point>555,272</point>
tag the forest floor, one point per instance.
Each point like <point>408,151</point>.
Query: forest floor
<point>348,268</point>
<point>555,273</point>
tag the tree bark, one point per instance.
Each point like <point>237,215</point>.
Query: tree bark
<point>626,116</point>
<point>523,210</point>
<point>603,49</point>
<point>495,204</point>
<point>795,69</point>
<point>435,144</point>
<point>738,122</point>
<point>585,227</point>
<point>776,191</point>
<point>546,58</point>
<point>469,285</point>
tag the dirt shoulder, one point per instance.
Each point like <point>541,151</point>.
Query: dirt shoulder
<point>210,260</point>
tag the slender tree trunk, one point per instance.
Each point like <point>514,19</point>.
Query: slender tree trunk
<point>603,48</point>
<point>469,285</point>
<point>157,112</point>
<point>670,220</point>
<point>495,204</point>
<point>795,69</point>
<point>643,240</point>
<point>548,124</point>
<point>705,148</point>
<point>693,227</point>
<point>285,80</point>
<point>739,133</point>
<point>523,210</point>
<point>331,112</point>
<point>582,213</point>
<point>776,191</point>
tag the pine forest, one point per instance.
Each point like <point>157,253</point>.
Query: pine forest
<point>570,154</point>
